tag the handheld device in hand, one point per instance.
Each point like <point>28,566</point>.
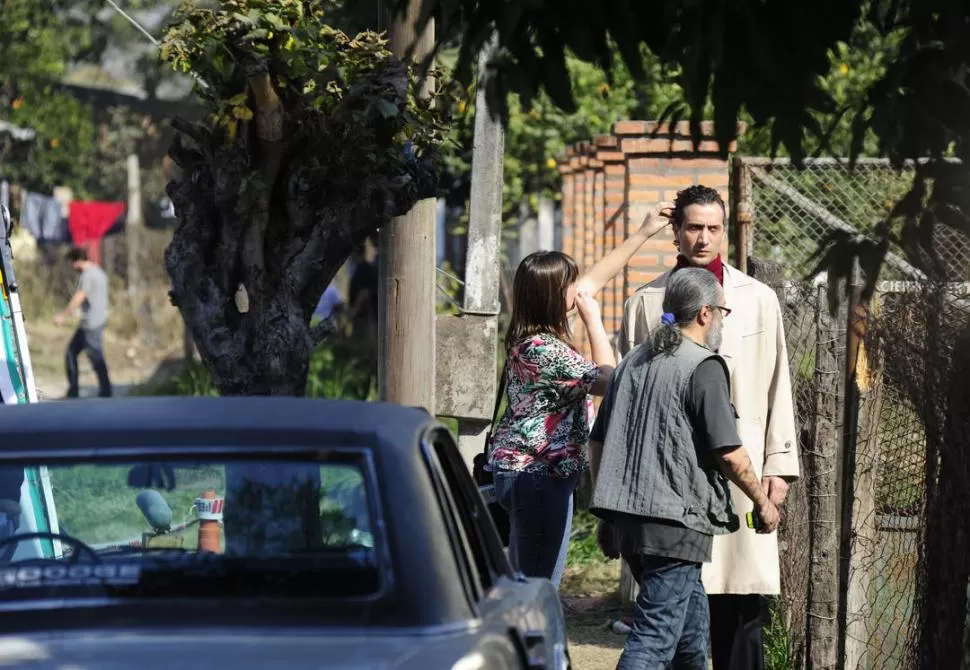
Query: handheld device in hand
<point>753,520</point>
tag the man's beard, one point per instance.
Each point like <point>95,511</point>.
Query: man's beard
<point>713,339</point>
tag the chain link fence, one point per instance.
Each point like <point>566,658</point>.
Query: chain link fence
<point>918,576</point>
<point>875,562</point>
<point>796,209</point>
<point>814,356</point>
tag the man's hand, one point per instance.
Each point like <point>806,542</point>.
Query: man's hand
<point>59,319</point>
<point>769,516</point>
<point>659,216</point>
<point>606,539</point>
<point>776,489</point>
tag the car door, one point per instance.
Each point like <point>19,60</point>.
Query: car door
<point>526,611</point>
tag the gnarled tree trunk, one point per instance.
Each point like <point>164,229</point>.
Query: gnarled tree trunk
<point>268,217</point>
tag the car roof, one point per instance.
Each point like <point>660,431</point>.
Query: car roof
<point>166,422</point>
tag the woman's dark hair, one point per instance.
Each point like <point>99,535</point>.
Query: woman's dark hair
<point>539,296</point>
<point>688,292</point>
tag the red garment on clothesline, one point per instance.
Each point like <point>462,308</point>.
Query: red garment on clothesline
<point>89,221</point>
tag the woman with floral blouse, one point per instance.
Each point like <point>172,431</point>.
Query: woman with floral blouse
<point>538,449</point>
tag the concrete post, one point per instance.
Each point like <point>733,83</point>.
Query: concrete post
<point>482,265</point>
<point>134,224</point>
<point>528,232</point>
<point>547,224</point>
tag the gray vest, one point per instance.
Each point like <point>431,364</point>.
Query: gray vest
<point>653,464</point>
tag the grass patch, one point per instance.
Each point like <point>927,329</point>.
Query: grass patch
<point>339,369</point>
<point>780,645</point>
<point>583,550</point>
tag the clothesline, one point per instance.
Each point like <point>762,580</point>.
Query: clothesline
<point>52,220</point>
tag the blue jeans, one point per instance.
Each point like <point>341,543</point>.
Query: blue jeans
<point>671,619</point>
<point>540,511</point>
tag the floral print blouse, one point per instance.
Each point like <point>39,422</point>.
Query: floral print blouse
<point>545,427</point>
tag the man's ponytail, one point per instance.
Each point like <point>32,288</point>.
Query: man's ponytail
<point>668,336</point>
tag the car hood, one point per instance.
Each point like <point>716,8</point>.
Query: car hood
<point>206,649</point>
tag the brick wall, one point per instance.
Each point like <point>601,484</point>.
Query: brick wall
<point>611,182</point>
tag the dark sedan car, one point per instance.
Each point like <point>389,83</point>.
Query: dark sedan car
<point>252,533</point>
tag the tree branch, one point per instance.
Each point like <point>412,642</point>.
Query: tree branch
<point>269,131</point>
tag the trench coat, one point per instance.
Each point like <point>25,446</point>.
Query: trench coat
<point>754,348</point>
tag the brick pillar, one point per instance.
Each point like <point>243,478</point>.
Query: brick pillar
<point>613,206</point>
<point>610,183</point>
<point>589,216</point>
<point>590,249</point>
<point>661,160</point>
<point>568,208</point>
<point>579,208</point>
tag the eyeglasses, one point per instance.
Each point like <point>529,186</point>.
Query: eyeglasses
<point>725,311</point>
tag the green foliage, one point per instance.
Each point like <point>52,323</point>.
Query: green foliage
<point>582,543</point>
<point>538,130</point>
<point>449,290</point>
<point>35,46</point>
<point>737,55</point>
<point>538,133</point>
<point>339,368</point>
<point>311,64</point>
<point>314,141</point>
<point>63,151</point>
<point>342,368</point>
<point>854,67</point>
<point>903,90</point>
<point>779,644</point>
<point>38,42</point>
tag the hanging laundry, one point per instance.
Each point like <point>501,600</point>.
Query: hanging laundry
<point>41,215</point>
<point>91,220</point>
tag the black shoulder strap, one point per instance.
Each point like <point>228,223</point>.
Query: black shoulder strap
<point>501,392</point>
<point>498,403</point>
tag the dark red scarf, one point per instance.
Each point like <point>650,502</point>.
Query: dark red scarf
<point>716,266</point>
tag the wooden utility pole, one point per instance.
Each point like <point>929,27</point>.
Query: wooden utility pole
<point>133,224</point>
<point>821,469</point>
<point>406,262</point>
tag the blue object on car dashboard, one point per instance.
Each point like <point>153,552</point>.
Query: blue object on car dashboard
<point>300,529</point>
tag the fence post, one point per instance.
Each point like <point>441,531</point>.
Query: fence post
<point>822,469</point>
<point>742,211</point>
<point>863,405</point>
<point>133,226</point>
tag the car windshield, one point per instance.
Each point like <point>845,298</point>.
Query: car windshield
<point>210,526</point>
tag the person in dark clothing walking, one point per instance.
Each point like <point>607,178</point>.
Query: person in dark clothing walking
<point>91,296</point>
<point>662,451</point>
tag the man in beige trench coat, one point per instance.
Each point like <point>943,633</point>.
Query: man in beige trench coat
<point>745,564</point>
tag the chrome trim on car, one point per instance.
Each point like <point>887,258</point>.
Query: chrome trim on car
<point>560,659</point>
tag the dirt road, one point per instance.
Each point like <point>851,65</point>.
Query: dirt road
<point>589,598</point>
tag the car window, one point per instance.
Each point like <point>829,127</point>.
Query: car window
<point>473,514</point>
<point>176,524</point>
<point>457,528</point>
